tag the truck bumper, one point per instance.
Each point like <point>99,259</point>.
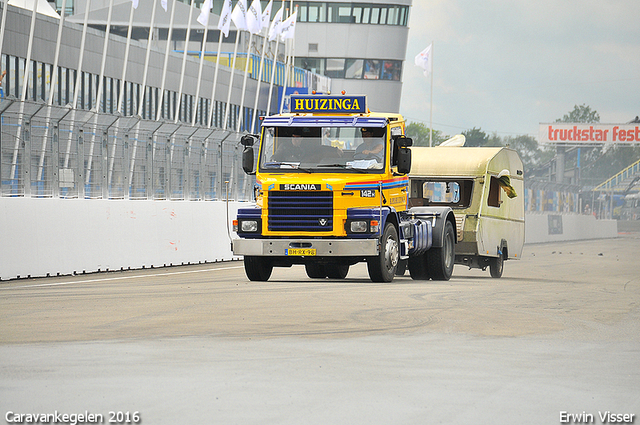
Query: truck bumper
<point>323,247</point>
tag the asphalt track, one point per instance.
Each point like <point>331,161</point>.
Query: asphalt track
<point>558,335</point>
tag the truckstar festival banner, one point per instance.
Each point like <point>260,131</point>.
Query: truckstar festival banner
<point>577,134</point>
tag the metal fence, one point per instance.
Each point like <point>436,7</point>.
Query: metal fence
<point>58,152</point>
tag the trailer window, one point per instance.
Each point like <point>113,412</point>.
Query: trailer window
<point>493,199</point>
<point>453,193</point>
<point>441,192</point>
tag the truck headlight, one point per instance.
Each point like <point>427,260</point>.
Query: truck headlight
<point>359,226</point>
<point>249,225</point>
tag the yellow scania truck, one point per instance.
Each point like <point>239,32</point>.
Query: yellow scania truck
<point>332,190</point>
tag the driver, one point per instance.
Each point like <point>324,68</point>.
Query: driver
<point>290,150</point>
<point>372,146</point>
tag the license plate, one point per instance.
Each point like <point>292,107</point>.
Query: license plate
<point>300,251</point>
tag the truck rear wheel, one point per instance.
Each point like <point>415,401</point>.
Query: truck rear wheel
<point>440,260</point>
<point>315,271</point>
<point>257,268</point>
<point>337,271</point>
<point>383,267</point>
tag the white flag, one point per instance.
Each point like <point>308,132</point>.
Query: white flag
<point>164,4</point>
<point>205,9</point>
<point>239,15</point>
<point>225,18</point>
<point>134,3</point>
<point>266,15</point>
<point>254,17</point>
<point>424,60</point>
<point>289,26</point>
<point>274,29</point>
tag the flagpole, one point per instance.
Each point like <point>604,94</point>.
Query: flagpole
<point>204,43</point>
<point>267,14</point>
<point>286,72</point>
<point>275,25</point>
<point>244,83</point>
<point>255,104</point>
<point>215,81</point>
<point>56,58</point>
<point>104,56</point>
<point>184,62</point>
<point>126,59</point>
<point>431,102</point>
<point>146,59</point>
<point>233,67</point>
<point>3,23</point>
<point>27,63</point>
<point>164,67</point>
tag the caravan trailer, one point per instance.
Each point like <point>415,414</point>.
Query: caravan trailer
<point>485,188</point>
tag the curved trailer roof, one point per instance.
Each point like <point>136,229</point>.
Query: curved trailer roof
<point>443,161</point>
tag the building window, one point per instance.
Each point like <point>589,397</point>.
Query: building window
<point>353,13</point>
<point>354,68</point>
<point>372,69</point>
<point>335,68</point>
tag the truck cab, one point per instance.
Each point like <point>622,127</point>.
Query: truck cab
<point>331,191</point>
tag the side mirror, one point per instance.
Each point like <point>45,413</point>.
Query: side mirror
<point>404,142</point>
<point>248,140</point>
<point>247,159</point>
<point>404,160</point>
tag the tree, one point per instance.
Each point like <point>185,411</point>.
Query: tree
<point>529,150</point>
<point>582,113</point>
<point>476,137</point>
<point>420,134</point>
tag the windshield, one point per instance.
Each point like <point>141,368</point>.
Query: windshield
<point>330,149</point>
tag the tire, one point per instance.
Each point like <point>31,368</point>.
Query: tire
<point>440,261</point>
<point>383,267</point>
<point>257,268</point>
<point>337,271</point>
<point>418,267</point>
<point>402,267</point>
<point>315,271</point>
<point>496,266</point>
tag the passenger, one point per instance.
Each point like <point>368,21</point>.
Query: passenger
<point>372,146</point>
<point>290,150</point>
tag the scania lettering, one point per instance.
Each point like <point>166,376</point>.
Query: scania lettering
<point>332,190</point>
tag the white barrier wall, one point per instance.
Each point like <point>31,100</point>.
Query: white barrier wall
<point>43,237</point>
<point>553,227</point>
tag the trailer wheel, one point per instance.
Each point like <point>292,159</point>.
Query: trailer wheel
<point>383,267</point>
<point>337,271</point>
<point>440,260</point>
<point>315,271</point>
<point>418,267</point>
<point>257,268</point>
<point>496,266</point>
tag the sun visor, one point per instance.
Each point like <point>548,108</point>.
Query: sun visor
<point>300,121</point>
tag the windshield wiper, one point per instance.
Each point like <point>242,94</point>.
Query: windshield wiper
<point>360,170</point>
<point>288,165</point>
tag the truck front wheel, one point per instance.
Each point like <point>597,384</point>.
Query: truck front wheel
<point>383,267</point>
<point>440,260</point>
<point>257,268</point>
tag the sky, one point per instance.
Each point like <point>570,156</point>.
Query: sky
<point>505,66</point>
